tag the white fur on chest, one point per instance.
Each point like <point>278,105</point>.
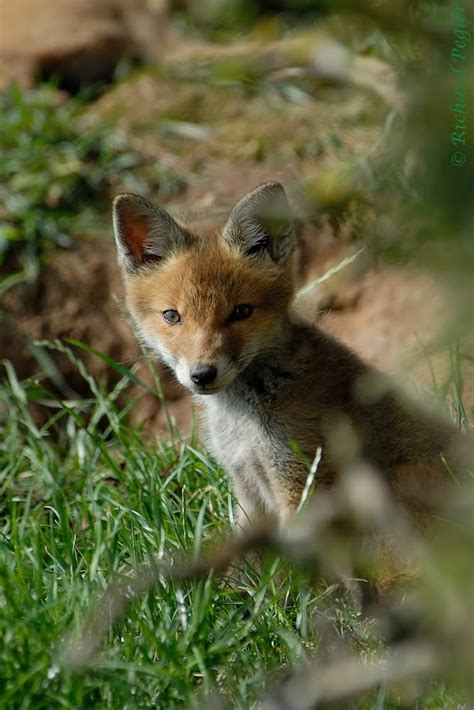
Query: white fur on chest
<point>233,436</point>
<point>241,445</point>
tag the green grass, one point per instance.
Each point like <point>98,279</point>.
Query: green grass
<point>57,164</point>
<point>84,496</point>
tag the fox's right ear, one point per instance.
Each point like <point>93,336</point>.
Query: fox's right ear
<point>143,232</point>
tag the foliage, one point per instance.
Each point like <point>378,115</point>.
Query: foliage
<point>55,166</point>
<point>81,501</point>
<point>86,497</point>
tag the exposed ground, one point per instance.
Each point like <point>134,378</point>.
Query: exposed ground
<point>86,497</point>
<point>222,142</point>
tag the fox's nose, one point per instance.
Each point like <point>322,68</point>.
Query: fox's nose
<point>203,374</point>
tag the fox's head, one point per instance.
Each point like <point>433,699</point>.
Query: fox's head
<point>208,299</point>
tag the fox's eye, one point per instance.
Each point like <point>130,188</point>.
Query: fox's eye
<point>171,316</point>
<point>241,312</point>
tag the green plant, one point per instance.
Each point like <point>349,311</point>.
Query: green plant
<point>57,164</point>
<point>85,498</point>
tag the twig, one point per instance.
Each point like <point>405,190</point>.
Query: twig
<point>347,678</point>
<point>79,650</point>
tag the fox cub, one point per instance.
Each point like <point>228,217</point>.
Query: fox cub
<point>215,302</point>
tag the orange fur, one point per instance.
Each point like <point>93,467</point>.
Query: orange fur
<point>272,380</point>
<point>204,284</point>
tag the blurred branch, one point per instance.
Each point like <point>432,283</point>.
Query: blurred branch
<point>347,678</point>
<point>79,651</point>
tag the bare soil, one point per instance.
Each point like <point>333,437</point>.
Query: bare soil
<point>383,312</point>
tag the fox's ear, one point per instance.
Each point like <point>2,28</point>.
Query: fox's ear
<point>261,222</point>
<point>143,232</point>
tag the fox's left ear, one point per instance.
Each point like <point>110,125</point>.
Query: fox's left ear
<point>261,222</point>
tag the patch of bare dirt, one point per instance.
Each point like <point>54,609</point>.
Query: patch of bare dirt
<point>79,296</point>
<point>79,41</point>
<point>397,319</point>
<point>383,314</point>
<point>224,142</point>
<point>193,125</point>
<point>387,314</point>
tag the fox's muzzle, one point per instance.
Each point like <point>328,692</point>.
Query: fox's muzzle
<point>202,374</point>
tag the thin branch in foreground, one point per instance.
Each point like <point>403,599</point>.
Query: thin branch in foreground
<point>316,539</point>
<point>349,677</point>
<point>79,650</point>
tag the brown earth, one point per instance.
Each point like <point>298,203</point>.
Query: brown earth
<point>224,141</point>
<point>383,313</point>
<point>79,41</point>
<point>78,296</point>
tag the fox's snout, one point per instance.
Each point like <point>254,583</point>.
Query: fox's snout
<point>203,375</point>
